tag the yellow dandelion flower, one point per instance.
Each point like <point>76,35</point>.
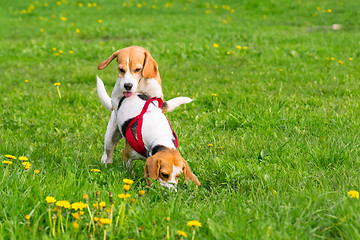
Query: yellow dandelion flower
<point>193,223</point>
<point>327,59</point>
<point>7,162</point>
<point>353,194</point>
<point>167,219</point>
<point>210,145</point>
<point>76,215</point>
<point>238,47</point>
<point>26,81</point>
<point>332,59</point>
<point>108,210</point>
<point>341,62</point>
<point>126,187</point>
<point>95,205</point>
<point>27,217</point>
<point>71,52</point>
<point>89,5</point>
<point>63,18</point>
<point>80,4</point>
<point>54,49</point>
<point>232,10</point>
<point>105,220</point>
<point>124,4</point>
<point>10,156</point>
<point>329,10</point>
<point>57,84</point>
<point>228,53</point>
<point>41,18</point>
<point>100,21</point>
<point>132,201</point>
<point>77,30</point>
<point>94,5</point>
<point>85,196</point>
<point>61,51</point>
<point>82,213</point>
<point>45,4</point>
<point>181,233</point>
<point>280,70</point>
<point>96,219</point>
<point>26,165</point>
<point>102,204</point>
<point>215,45</point>
<point>224,21</point>
<point>41,30</point>
<point>50,199</point>
<point>350,59</point>
<point>318,8</point>
<point>124,196</point>
<point>141,193</point>
<point>78,205</point>
<point>216,6</point>
<point>244,48</point>
<point>56,54</point>
<point>153,6</point>
<point>139,5</point>
<point>214,94</point>
<point>63,204</point>
<point>128,181</point>
<point>75,225</point>
<point>58,2</point>
<point>37,171</point>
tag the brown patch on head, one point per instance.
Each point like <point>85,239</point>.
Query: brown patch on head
<point>135,59</point>
<point>167,165</point>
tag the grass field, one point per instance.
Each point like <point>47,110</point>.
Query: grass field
<point>273,135</point>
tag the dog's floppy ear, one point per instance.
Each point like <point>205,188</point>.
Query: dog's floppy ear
<point>152,168</point>
<point>150,66</point>
<point>105,63</point>
<point>189,175</point>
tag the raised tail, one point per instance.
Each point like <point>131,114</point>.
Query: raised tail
<point>171,104</point>
<point>104,97</point>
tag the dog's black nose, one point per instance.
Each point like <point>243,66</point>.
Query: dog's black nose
<point>128,86</point>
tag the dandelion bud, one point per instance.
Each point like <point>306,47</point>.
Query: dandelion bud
<point>141,193</point>
<point>27,217</point>
<point>86,198</point>
<point>111,200</point>
<point>97,196</point>
<point>141,228</point>
<point>132,201</point>
<point>167,219</point>
<point>126,187</point>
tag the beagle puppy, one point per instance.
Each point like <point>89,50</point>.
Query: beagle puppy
<point>163,160</point>
<point>138,73</point>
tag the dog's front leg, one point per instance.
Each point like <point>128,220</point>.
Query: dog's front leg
<point>112,137</point>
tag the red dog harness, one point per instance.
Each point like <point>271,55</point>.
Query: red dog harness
<point>138,144</point>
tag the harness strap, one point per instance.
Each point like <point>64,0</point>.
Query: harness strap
<point>138,145</point>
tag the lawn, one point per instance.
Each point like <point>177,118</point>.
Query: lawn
<point>273,133</point>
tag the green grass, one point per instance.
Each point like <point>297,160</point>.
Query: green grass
<point>284,123</point>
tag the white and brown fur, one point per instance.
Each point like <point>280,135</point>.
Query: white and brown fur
<point>164,162</point>
<point>138,73</point>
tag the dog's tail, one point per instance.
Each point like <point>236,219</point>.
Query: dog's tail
<point>104,97</point>
<point>171,104</point>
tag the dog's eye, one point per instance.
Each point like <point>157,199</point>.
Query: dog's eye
<point>164,175</point>
<point>121,70</point>
<point>137,70</point>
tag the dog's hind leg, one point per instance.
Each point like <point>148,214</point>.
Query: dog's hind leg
<point>112,137</point>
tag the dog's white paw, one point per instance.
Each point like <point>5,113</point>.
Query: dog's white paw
<point>105,159</point>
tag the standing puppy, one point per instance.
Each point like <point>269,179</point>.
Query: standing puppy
<point>138,73</point>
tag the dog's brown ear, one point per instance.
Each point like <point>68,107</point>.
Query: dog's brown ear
<point>105,63</point>
<point>189,175</point>
<point>150,66</point>
<point>152,168</point>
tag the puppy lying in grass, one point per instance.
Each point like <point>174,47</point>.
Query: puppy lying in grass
<point>149,136</point>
